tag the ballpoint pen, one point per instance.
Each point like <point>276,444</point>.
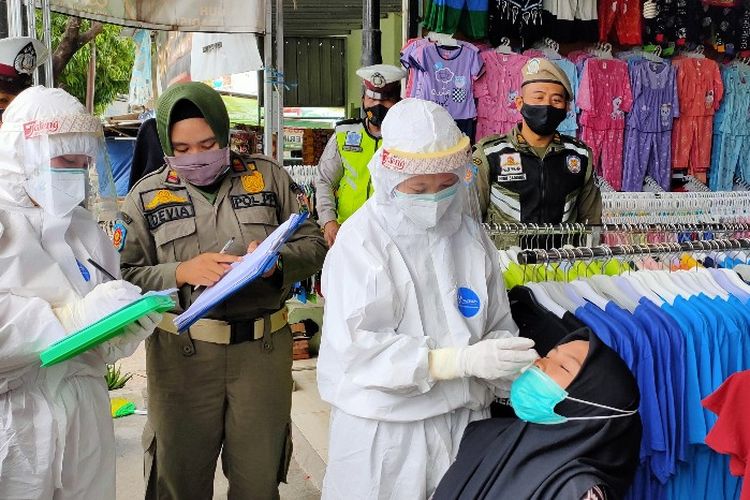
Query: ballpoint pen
<point>100,268</point>
<point>223,250</point>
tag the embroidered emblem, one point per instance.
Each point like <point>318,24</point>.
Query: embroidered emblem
<point>253,182</point>
<point>377,79</point>
<point>25,61</point>
<point>164,197</point>
<point>574,164</point>
<point>119,235</point>
<point>533,67</point>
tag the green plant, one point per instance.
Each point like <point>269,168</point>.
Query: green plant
<point>115,56</point>
<point>115,379</point>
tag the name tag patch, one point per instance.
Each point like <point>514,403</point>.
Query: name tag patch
<point>511,178</point>
<point>263,199</point>
<point>168,214</point>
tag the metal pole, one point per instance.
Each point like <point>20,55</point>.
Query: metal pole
<point>371,53</point>
<point>280,81</point>
<point>15,18</point>
<point>268,82</point>
<point>47,26</point>
<point>31,29</point>
<point>91,79</point>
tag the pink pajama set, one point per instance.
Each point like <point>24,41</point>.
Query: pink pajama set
<point>604,96</point>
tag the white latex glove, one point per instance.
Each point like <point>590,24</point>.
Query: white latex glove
<point>489,359</point>
<point>104,299</point>
<point>126,343</point>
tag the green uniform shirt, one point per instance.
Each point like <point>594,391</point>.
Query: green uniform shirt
<point>168,221</point>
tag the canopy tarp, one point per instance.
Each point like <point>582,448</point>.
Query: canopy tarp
<point>217,16</point>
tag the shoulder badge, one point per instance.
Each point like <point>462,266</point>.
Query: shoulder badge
<point>118,236</point>
<point>574,164</point>
<point>125,218</point>
<point>173,178</point>
<point>238,166</point>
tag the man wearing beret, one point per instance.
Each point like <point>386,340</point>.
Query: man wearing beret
<point>534,174</point>
<point>343,179</point>
<point>19,58</point>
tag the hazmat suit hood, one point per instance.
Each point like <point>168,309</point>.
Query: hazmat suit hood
<point>41,124</point>
<point>420,137</point>
<point>43,265</point>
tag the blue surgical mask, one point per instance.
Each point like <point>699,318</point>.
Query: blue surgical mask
<point>425,210</point>
<point>534,396</point>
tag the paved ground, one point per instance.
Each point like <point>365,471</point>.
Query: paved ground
<point>128,430</point>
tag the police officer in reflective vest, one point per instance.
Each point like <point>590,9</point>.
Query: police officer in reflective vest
<point>533,174</point>
<point>343,179</point>
<point>19,58</point>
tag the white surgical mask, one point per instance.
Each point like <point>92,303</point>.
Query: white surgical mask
<point>59,191</point>
<point>425,210</point>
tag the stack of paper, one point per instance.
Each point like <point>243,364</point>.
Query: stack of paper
<point>241,273</point>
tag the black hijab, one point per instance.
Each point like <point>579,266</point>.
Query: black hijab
<point>148,156</point>
<point>507,458</point>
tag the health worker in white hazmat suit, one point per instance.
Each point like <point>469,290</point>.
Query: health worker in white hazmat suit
<point>418,338</point>
<point>56,434</point>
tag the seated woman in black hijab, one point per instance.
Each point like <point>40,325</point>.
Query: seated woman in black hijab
<point>576,437</point>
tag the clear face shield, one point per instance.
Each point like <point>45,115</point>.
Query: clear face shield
<point>67,165</point>
<point>445,196</point>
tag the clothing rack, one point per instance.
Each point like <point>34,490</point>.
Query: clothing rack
<point>532,235</point>
<point>302,174</point>
<point>669,208</point>
<point>583,253</point>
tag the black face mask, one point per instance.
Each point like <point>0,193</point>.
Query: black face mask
<point>543,120</point>
<point>376,114</point>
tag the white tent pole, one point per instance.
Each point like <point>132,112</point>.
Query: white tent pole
<point>15,23</point>
<point>31,29</point>
<point>280,80</point>
<point>268,81</point>
<point>47,26</point>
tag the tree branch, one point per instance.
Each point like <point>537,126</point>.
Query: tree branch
<point>84,38</point>
<point>71,41</point>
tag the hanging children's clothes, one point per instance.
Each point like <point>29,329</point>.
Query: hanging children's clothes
<point>516,19</point>
<point>407,53</point>
<point>648,135</point>
<point>731,145</point>
<point>700,91</point>
<point>622,15</point>
<point>604,96</point>
<point>569,126</point>
<point>449,16</point>
<point>572,21</point>
<point>496,91</point>
<point>446,75</point>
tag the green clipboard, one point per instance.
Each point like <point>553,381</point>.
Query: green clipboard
<point>104,329</point>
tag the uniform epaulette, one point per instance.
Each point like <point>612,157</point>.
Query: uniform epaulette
<point>573,140</point>
<point>489,140</point>
<point>149,175</point>
<point>349,121</point>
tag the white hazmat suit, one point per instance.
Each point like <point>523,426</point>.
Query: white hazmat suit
<point>56,433</point>
<point>404,281</point>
